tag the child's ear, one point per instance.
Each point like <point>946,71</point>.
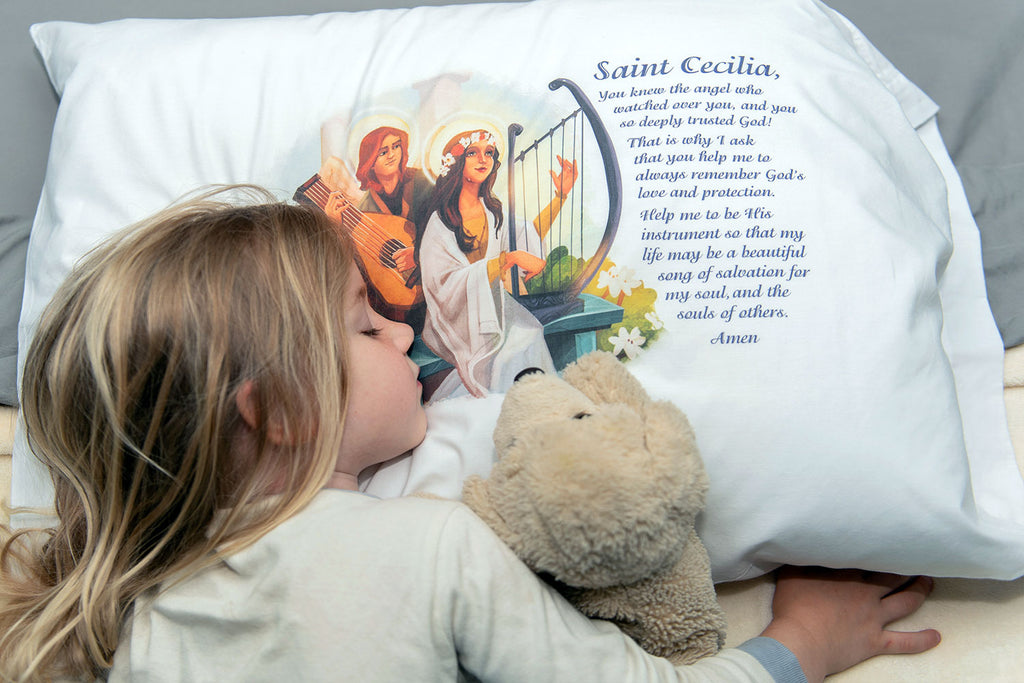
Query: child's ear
<point>248,407</point>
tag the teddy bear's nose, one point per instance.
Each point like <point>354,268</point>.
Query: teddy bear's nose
<point>527,371</point>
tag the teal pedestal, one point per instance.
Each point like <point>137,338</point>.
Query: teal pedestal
<point>568,337</point>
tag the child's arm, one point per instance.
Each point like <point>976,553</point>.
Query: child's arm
<point>507,626</point>
<point>832,619</point>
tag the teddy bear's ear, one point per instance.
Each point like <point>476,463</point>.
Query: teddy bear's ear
<point>476,494</point>
<point>604,379</point>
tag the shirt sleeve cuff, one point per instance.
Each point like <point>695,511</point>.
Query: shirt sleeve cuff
<point>776,658</point>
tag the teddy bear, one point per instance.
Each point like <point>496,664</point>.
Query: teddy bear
<point>596,488</point>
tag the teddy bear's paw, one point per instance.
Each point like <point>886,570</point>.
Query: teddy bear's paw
<point>604,379</point>
<point>476,495</point>
<point>699,644</point>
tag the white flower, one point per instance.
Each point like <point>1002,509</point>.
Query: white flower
<point>618,280</point>
<point>630,342</point>
<point>629,280</point>
<point>610,279</point>
<point>654,320</point>
<point>447,161</point>
<point>477,136</point>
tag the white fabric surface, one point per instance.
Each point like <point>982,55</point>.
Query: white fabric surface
<point>399,590</point>
<point>981,621</point>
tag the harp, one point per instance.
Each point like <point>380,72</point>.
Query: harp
<point>576,244</point>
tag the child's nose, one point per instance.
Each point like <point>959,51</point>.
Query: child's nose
<point>401,335</point>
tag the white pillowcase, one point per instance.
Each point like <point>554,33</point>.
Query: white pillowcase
<point>849,416</point>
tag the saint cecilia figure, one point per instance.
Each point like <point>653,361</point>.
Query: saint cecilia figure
<point>472,320</point>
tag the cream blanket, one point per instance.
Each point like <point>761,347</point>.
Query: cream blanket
<point>982,622</point>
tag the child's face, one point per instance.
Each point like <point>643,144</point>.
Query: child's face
<point>385,412</point>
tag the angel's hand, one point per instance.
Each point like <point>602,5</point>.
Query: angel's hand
<point>565,179</point>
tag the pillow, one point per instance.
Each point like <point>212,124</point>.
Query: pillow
<point>997,197</point>
<point>974,72</point>
<point>773,237</point>
<point>14,232</point>
<point>989,160</point>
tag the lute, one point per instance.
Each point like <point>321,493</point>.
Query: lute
<point>376,236</point>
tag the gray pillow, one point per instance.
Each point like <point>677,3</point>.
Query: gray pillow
<point>967,57</point>
<point>997,200</point>
<point>14,232</point>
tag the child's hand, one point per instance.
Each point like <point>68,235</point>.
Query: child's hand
<point>833,619</point>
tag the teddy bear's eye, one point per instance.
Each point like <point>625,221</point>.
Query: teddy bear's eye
<point>580,416</point>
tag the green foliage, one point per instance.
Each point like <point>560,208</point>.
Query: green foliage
<point>562,267</point>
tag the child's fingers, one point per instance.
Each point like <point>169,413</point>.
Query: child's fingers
<point>907,599</point>
<point>890,583</point>
<point>909,642</point>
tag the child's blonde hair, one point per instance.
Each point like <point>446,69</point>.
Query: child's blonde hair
<point>129,397</point>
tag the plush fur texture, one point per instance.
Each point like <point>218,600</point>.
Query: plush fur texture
<point>597,487</point>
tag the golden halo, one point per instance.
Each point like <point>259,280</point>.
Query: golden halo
<point>449,128</point>
<point>371,121</point>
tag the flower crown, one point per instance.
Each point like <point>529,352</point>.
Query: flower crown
<point>458,149</point>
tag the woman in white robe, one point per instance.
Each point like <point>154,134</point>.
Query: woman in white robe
<point>472,321</point>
